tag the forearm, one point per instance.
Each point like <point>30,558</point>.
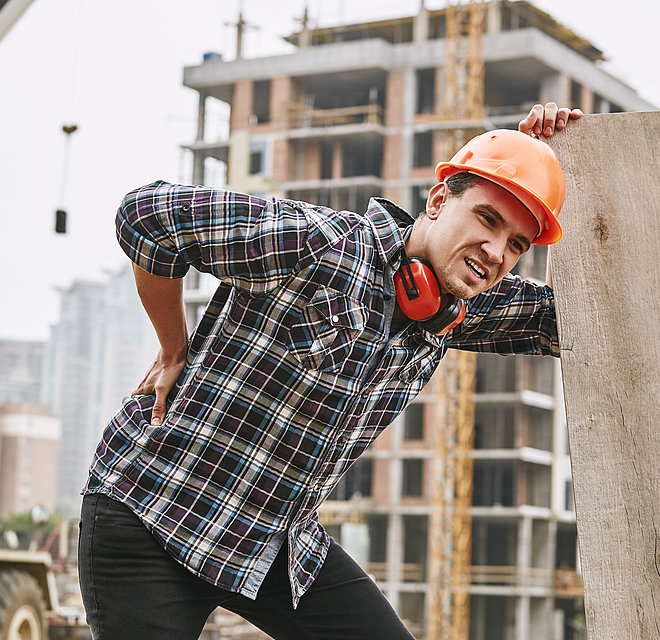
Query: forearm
<point>162,299</point>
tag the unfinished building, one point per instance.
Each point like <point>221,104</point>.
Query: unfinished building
<point>353,113</point>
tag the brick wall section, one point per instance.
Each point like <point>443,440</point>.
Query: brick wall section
<point>394,99</point>
<point>281,99</point>
<point>283,165</point>
<point>312,160</point>
<point>393,143</point>
<point>241,105</point>
<point>381,471</point>
<point>439,89</point>
<point>337,160</point>
<point>381,482</point>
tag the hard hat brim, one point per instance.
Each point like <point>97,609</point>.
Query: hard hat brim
<point>550,230</point>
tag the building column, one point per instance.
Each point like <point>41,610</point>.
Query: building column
<point>201,117</point>
<point>478,622</point>
<point>523,557</point>
<point>421,25</point>
<point>557,88</point>
<point>198,158</point>
<point>586,99</point>
<point>559,453</point>
<point>394,554</point>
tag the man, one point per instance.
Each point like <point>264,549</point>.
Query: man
<point>204,489</point>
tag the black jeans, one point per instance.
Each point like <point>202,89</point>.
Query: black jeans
<point>133,590</point>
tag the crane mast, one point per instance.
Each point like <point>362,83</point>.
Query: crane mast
<point>452,466</point>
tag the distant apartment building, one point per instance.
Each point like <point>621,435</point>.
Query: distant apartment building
<point>98,352</point>
<point>21,363</point>
<point>355,112</point>
<point>29,438</point>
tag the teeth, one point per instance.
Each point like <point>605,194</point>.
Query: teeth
<point>475,268</point>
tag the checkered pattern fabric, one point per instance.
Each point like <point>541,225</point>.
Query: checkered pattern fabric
<point>291,373</point>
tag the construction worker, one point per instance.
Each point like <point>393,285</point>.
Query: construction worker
<point>204,489</point>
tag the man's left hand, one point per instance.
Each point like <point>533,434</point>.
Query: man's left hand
<point>546,119</point>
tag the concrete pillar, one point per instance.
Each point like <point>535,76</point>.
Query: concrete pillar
<point>493,17</point>
<point>421,25</point>
<point>198,176</point>
<point>478,622</point>
<point>523,562</point>
<point>522,629</point>
<point>201,117</point>
<point>559,453</point>
<point>556,87</point>
<point>558,624</point>
<point>394,557</point>
<point>586,99</point>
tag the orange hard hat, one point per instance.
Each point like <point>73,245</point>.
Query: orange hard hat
<point>524,166</point>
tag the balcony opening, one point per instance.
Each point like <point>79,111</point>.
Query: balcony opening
<point>423,149</point>
<point>425,91</point>
<point>261,101</point>
<point>413,422</point>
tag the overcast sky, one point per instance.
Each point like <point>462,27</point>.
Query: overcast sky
<point>115,70</point>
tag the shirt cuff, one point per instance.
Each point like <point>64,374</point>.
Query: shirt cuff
<point>147,253</point>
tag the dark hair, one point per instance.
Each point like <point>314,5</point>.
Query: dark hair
<point>459,183</point>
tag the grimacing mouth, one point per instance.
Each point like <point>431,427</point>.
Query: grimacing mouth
<point>481,273</point>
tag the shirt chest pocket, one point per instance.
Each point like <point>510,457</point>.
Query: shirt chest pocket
<point>323,334</point>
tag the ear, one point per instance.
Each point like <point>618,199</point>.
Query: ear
<point>437,197</point>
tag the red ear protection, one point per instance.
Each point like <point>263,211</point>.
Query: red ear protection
<point>419,297</point>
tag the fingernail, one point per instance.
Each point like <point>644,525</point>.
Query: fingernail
<point>548,131</point>
<point>155,422</point>
<point>560,123</point>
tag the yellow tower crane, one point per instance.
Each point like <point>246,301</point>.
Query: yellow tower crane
<point>451,524</point>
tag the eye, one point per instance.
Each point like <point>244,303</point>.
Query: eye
<point>518,246</point>
<point>490,220</point>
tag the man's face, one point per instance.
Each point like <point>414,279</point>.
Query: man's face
<point>474,240</point>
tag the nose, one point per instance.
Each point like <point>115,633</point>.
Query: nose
<point>494,249</point>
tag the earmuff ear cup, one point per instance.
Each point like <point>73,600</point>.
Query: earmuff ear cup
<point>448,317</point>
<point>419,297</point>
<point>417,290</point>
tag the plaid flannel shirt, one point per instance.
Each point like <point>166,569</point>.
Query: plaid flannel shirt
<point>291,373</point>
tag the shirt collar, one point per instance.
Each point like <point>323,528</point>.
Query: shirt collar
<point>390,223</point>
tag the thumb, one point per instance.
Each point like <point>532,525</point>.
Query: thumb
<point>158,412</point>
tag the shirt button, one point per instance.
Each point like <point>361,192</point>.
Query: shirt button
<point>185,208</point>
<point>342,441</point>
<point>318,486</point>
<point>335,319</point>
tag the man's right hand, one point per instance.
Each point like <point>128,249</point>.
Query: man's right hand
<point>162,299</point>
<point>160,379</point>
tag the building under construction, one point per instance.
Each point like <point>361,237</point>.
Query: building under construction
<point>362,110</point>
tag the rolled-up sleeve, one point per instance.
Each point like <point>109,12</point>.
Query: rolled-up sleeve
<point>250,242</point>
<point>515,316</point>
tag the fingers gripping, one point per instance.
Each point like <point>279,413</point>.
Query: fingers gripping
<point>545,119</point>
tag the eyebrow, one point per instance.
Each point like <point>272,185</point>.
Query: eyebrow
<point>498,216</point>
